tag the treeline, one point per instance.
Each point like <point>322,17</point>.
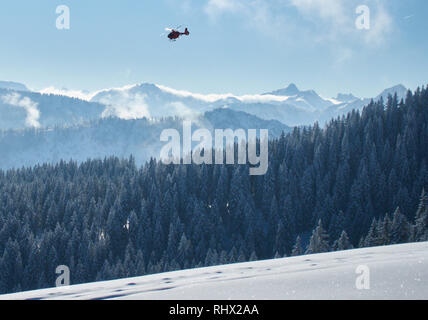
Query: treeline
<point>108,219</point>
<point>382,232</point>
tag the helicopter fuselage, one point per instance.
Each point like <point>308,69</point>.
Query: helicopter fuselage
<point>174,34</point>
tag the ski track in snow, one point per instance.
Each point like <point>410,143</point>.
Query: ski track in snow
<point>396,272</point>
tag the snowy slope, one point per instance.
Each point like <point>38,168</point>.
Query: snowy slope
<point>396,272</point>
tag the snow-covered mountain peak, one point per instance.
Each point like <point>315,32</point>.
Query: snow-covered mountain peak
<point>289,91</point>
<point>10,85</point>
<point>290,105</point>
<point>346,97</point>
<point>399,89</point>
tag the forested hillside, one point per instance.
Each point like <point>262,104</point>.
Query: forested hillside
<point>359,181</point>
<point>113,136</point>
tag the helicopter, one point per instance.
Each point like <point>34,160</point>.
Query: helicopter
<point>174,34</point>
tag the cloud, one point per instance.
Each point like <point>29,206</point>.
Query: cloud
<point>31,107</point>
<point>331,10</point>
<point>126,106</point>
<point>217,7</point>
<point>343,55</point>
<point>329,20</point>
<point>381,25</point>
<point>119,101</point>
<point>79,94</point>
<point>180,109</point>
<point>123,93</point>
<point>213,97</point>
<point>185,6</point>
<point>260,15</point>
<point>336,18</point>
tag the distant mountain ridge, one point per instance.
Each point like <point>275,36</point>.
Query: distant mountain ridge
<point>291,90</point>
<point>346,97</point>
<point>10,85</point>
<point>289,105</point>
<point>46,109</point>
<point>130,120</point>
<point>113,136</point>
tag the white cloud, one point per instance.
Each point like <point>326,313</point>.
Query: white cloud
<point>332,10</point>
<point>126,106</point>
<point>125,96</point>
<point>180,109</point>
<point>343,55</point>
<point>31,107</point>
<point>83,95</point>
<point>80,94</point>
<point>337,17</point>
<point>381,25</point>
<point>216,7</point>
<point>213,97</point>
<point>185,6</point>
<point>261,15</point>
<point>329,20</point>
<point>119,97</point>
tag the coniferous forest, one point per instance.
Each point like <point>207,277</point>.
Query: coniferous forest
<point>357,182</point>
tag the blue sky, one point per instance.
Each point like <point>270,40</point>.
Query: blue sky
<point>236,46</point>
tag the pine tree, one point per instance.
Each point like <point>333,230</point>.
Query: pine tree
<point>253,256</point>
<point>384,231</point>
<point>400,230</point>
<point>372,238</point>
<point>342,243</point>
<point>297,248</point>
<point>319,240</point>
<point>421,219</point>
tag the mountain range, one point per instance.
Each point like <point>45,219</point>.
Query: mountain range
<point>290,105</point>
<point>21,108</point>
<point>38,127</point>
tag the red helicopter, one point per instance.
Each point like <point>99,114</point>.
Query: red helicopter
<point>174,34</point>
